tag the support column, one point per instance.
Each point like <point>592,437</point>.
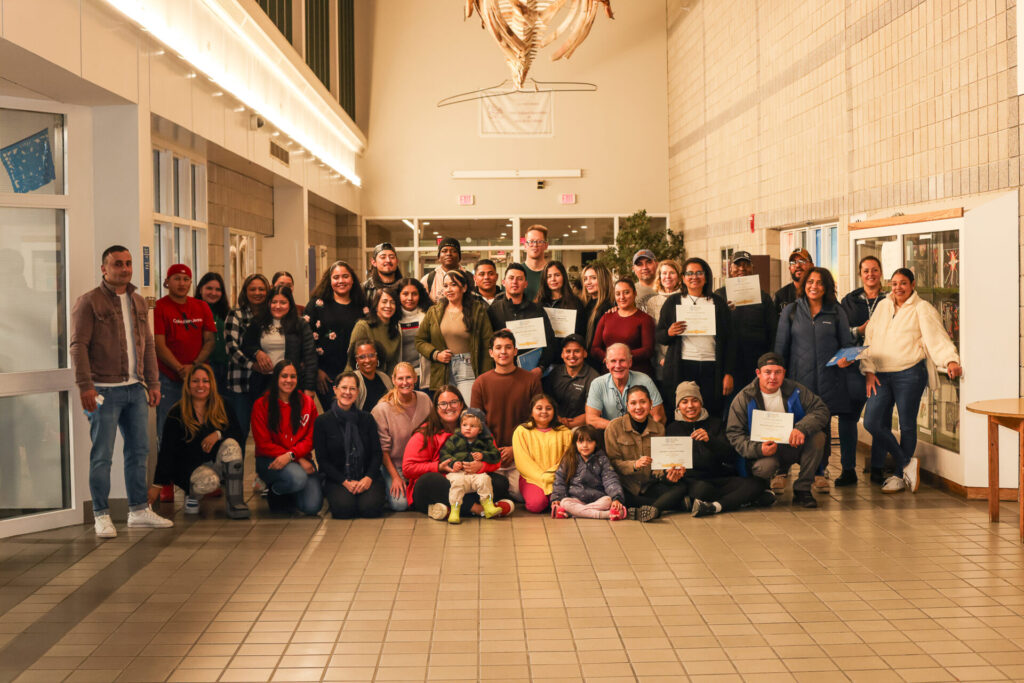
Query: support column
<point>287,249</point>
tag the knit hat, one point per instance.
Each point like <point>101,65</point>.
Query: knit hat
<point>449,242</point>
<point>688,389</point>
<point>179,268</point>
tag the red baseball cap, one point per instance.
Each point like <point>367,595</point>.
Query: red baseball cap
<point>179,268</point>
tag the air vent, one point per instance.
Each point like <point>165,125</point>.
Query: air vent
<point>279,152</point>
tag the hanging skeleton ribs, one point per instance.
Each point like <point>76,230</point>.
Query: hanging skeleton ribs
<point>520,28</point>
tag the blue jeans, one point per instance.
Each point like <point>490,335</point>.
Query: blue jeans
<point>170,393</point>
<point>292,481</point>
<point>400,504</point>
<point>461,370</point>
<point>903,390</point>
<point>239,403</point>
<point>125,408</point>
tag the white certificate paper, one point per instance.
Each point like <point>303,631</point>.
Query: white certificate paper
<point>743,291</point>
<point>699,317</point>
<point>563,321</point>
<point>770,426</point>
<point>671,451</point>
<point>529,333</point>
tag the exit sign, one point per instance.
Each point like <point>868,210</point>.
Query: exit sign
<point>466,200</point>
<point>567,198</point>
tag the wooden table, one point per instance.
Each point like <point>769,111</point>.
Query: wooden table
<point>1009,413</point>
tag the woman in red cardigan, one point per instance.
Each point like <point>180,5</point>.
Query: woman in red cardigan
<point>282,427</point>
<point>626,324</point>
<point>427,488</point>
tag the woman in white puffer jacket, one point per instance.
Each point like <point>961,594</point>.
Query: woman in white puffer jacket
<point>906,341</point>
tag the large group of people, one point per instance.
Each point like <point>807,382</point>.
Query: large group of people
<point>399,394</point>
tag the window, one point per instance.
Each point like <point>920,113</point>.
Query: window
<point>179,226</point>
<point>822,241</point>
<point>241,261</point>
<point>318,39</point>
<point>347,57</point>
<point>280,12</point>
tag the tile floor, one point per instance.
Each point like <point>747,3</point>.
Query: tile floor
<point>866,587</point>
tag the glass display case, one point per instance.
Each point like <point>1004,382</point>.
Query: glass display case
<point>934,258</point>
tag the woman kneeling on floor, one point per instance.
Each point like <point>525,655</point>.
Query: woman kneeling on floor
<point>628,443</point>
<point>348,452</point>
<point>197,451</point>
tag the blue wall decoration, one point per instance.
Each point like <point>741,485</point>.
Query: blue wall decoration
<point>29,162</point>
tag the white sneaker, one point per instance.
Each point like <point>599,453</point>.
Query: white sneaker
<point>191,505</point>
<point>912,475</point>
<point>437,511</point>
<point>105,527</point>
<point>147,518</point>
<point>893,484</point>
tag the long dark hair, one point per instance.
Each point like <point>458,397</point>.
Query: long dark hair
<point>468,302</point>
<point>375,320</point>
<point>555,424</point>
<point>323,287</point>
<point>243,298</point>
<point>568,462</point>
<point>826,281</point>
<point>544,292</point>
<point>424,302</point>
<point>290,321</point>
<point>709,279</point>
<point>273,398</point>
<point>221,308</point>
<point>433,426</point>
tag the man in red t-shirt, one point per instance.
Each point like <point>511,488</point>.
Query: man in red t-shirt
<point>184,330</point>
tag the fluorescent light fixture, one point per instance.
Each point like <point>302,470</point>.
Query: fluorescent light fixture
<point>409,223</point>
<point>220,40</point>
<point>426,222</point>
<point>518,173</point>
<point>191,74</point>
<point>583,227</point>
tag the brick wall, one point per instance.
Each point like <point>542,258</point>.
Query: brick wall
<point>236,201</point>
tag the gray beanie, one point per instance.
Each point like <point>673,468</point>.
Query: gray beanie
<point>688,389</point>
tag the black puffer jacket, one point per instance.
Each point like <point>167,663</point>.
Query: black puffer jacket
<point>808,343</point>
<point>711,458</point>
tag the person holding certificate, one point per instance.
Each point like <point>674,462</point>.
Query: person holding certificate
<point>670,278</point>
<point>626,324</point>
<point>627,441</point>
<point>753,325</point>
<point>597,300</point>
<point>455,335</point>
<point>811,330</point>
<point>755,429</point>
<point>514,307</point>
<point>556,292</point>
<point>860,305</point>
<point>905,340</point>
<point>713,480</point>
<point>706,356</point>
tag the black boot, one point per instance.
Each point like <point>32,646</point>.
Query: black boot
<point>847,478</point>
<point>877,475</point>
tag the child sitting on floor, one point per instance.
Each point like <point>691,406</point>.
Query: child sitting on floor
<point>586,484</point>
<point>466,446</point>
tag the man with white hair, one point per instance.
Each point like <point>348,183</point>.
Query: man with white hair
<point>606,399</point>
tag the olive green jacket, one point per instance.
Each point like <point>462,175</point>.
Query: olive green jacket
<point>430,342</point>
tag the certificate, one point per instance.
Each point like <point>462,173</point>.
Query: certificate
<point>770,426</point>
<point>563,321</point>
<point>699,317</point>
<point>743,291</point>
<point>529,333</point>
<point>671,451</point>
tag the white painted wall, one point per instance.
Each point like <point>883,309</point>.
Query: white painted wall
<point>424,51</point>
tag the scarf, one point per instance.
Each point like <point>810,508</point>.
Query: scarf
<point>355,455</point>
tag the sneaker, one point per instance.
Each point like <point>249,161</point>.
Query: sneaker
<point>507,507</point>
<point>558,512</point>
<point>912,475</point>
<point>438,511</point>
<point>105,527</point>
<point>703,509</point>
<point>779,482</point>
<point>894,485</point>
<point>167,494</point>
<point>648,513</point>
<point>847,478</point>
<point>148,519</point>
<point>630,513</point>
<point>820,484</point>
<point>877,475</point>
<point>804,499</point>
<point>191,505</point>
<point>766,499</point>
<point>615,514</point>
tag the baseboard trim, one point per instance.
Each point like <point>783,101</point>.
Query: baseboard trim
<point>968,492</point>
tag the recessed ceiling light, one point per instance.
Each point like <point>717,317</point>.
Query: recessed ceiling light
<point>575,231</point>
<point>583,227</point>
<point>565,234</point>
<point>426,222</point>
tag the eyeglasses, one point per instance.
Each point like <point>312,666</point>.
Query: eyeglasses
<point>694,273</point>
<point>800,261</point>
<point>449,404</point>
<point>535,243</point>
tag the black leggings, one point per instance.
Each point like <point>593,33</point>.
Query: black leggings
<point>346,505</point>
<point>731,492</point>
<point>433,487</point>
<point>663,495</point>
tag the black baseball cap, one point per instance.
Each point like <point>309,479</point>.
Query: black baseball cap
<point>770,358</point>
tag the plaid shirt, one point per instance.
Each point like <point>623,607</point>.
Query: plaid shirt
<point>239,366</point>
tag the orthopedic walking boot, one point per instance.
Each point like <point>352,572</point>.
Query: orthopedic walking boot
<point>234,502</point>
